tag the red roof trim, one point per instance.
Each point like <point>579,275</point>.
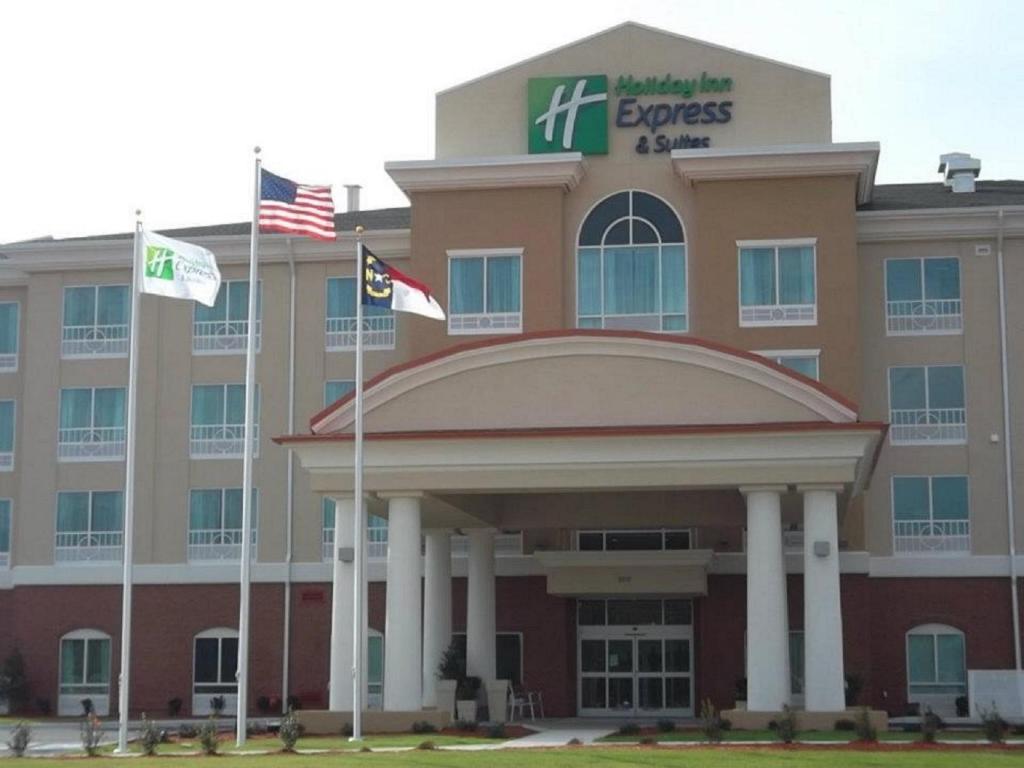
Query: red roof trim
<point>571,333</point>
<point>628,431</point>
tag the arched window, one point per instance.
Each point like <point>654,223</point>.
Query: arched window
<point>84,672</point>
<point>214,664</point>
<point>936,666</point>
<point>631,265</point>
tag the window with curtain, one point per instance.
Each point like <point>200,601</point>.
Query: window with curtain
<point>96,320</point>
<point>218,420</point>
<point>89,525</point>
<point>9,312</point>
<point>340,323</point>
<point>6,435</point>
<point>930,514</point>
<point>936,661</point>
<point>777,283</point>
<point>224,327</point>
<point>631,266</point>
<point>85,664</point>
<point>926,404</point>
<point>922,296</point>
<point>485,291</point>
<point>215,523</point>
<point>92,424</point>
<point>334,390</point>
<point>5,532</point>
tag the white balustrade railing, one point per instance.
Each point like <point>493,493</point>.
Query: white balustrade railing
<point>505,545</point>
<point>90,443</point>
<point>221,441</point>
<point>378,332</point>
<point>6,461</point>
<point>377,542</point>
<point>779,314</point>
<point>931,536</point>
<point>327,545</point>
<point>923,316</point>
<point>94,340</point>
<point>498,322</point>
<point>9,361</point>
<point>211,337</point>
<point>928,425</point>
<point>217,544</point>
<point>5,559</point>
<point>87,546</point>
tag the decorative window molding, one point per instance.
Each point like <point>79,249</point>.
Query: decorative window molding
<point>215,524</point>
<point>923,296</point>
<point>89,527</point>
<point>84,665</point>
<point>927,405</point>
<point>223,328</point>
<point>491,312</point>
<point>767,297</point>
<point>92,424</point>
<point>218,430</point>
<point>340,320</point>
<point>930,514</point>
<point>936,662</point>
<point>96,319</point>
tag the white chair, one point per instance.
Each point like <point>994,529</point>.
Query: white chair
<point>519,702</point>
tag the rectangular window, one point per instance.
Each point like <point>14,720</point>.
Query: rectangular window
<point>485,291</point>
<point>930,515</point>
<point>6,435</point>
<point>84,666</point>
<point>91,424</point>
<point>89,526</point>
<point>218,421</point>
<point>5,533</point>
<point>777,283</point>
<point>215,524</point>
<point>635,540</point>
<point>935,663</point>
<point>336,389</point>
<point>9,312</point>
<point>922,296</point>
<point>803,361</point>
<point>214,667</point>
<point>96,321</point>
<point>639,288</point>
<point>926,404</point>
<point>340,324</point>
<point>224,327</point>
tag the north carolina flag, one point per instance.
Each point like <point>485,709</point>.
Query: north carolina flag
<point>385,286</point>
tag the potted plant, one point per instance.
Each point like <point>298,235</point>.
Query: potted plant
<point>451,669</point>
<point>466,694</point>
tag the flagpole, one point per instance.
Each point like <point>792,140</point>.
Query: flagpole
<point>242,672</point>
<point>129,495</point>
<point>360,511</point>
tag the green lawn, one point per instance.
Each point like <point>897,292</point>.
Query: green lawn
<point>840,736</point>
<point>605,757</point>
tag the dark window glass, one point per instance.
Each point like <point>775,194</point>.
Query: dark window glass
<point>677,655</point>
<point>677,540</point>
<point>649,207</point>
<point>593,693</point>
<point>207,649</point>
<point>643,232</point>
<point>228,659</point>
<point>591,613</point>
<point>599,219</point>
<point>620,693</point>
<point>649,689</point>
<point>678,612</point>
<point>633,540</point>
<point>509,657</point>
<point>592,655</point>
<point>634,612</point>
<point>648,655</point>
<point>619,234</point>
<point>591,542</point>
<point>677,690</point>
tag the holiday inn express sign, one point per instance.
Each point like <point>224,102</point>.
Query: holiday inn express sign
<point>570,114</point>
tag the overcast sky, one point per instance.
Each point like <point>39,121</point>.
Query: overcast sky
<point>109,106</point>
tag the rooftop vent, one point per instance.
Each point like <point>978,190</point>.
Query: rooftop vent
<point>959,171</point>
<point>352,197</point>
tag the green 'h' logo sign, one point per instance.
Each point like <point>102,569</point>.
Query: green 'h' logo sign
<point>568,114</point>
<point>159,262</point>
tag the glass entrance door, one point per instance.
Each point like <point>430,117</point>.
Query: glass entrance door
<point>635,669</point>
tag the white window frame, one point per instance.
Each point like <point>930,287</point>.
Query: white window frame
<point>226,337</point>
<point>69,704</point>
<point>201,701</point>
<point>230,441</point>
<point>5,555</point>
<point>9,360</point>
<point>108,546</point>
<point>932,630</point>
<point>221,545</point>
<point>7,458</point>
<point>93,443</point>
<point>766,315</point>
<point>379,331</point>
<point>484,322</point>
<point>950,433</point>
<point>935,537</point>
<point>777,356</point>
<point>928,323</point>
<point>95,345</point>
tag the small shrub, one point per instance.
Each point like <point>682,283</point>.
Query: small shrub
<point>629,729</point>
<point>150,736</point>
<point>289,732</point>
<point>865,730</point>
<point>452,665</point>
<point>726,725</point>
<point>174,707</point>
<point>648,741</point>
<point>963,706</point>
<point>845,724</point>
<point>497,731</point>
<point>365,748</point>
<point>294,703</point>
<point>217,704</point>
<point>426,745</point>
<point>993,725</point>
<point>14,682</point>
<point>666,726</point>
<point>346,730</point>
<point>931,724</point>
<point>786,727</point>
<point>44,707</point>
<point>91,731</point>
<point>19,739</point>
<point>574,742</point>
<point>464,725</point>
<point>711,723</point>
<point>208,736</point>
<point>422,726</point>
<point>187,732</point>
<point>87,707</point>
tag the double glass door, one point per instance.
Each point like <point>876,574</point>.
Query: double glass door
<point>636,669</point>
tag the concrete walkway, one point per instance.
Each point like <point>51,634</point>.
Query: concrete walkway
<point>559,732</point>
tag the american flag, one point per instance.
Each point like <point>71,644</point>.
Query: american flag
<point>295,209</point>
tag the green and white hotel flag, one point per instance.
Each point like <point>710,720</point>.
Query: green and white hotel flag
<point>178,270</point>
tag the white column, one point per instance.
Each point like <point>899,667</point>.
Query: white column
<point>767,618</point>
<point>824,684</point>
<point>480,617</point>
<point>437,609</point>
<point>403,627</point>
<point>340,698</point>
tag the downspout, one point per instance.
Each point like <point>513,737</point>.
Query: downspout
<point>290,501</point>
<point>1008,445</point>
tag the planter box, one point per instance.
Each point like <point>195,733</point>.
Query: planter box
<point>466,710</point>
<point>446,696</point>
<point>497,700</point>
